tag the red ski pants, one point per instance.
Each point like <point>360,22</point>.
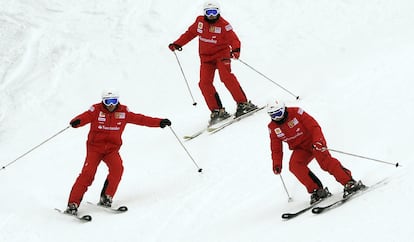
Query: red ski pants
<point>207,71</point>
<point>112,160</point>
<point>300,159</point>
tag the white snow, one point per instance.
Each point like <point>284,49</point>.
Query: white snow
<point>350,61</point>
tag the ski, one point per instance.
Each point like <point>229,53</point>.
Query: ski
<point>120,209</point>
<point>335,204</point>
<point>201,131</point>
<point>83,218</point>
<point>221,124</point>
<point>215,129</point>
<point>194,135</point>
<point>295,214</point>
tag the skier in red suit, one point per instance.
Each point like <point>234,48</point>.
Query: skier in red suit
<point>107,122</point>
<point>218,43</point>
<point>305,138</point>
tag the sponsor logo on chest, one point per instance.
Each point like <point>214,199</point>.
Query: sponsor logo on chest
<point>279,133</point>
<point>120,115</point>
<point>200,27</point>
<point>102,120</point>
<point>214,29</point>
<point>101,117</point>
<point>292,123</point>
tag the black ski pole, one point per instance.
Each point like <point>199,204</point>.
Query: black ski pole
<point>364,157</point>
<point>188,153</point>
<point>37,146</point>
<point>185,79</point>
<point>277,84</point>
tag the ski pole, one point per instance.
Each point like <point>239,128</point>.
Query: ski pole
<point>185,79</point>
<point>37,146</point>
<point>188,153</point>
<point>364,157</point>
<point>297,97</point>
<point>284,186</point>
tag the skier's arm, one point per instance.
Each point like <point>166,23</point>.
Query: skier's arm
<point>277,152</point>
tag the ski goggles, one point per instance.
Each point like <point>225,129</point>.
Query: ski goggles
<point>278,114</point>
<point>110,101</point>
<point>211,12</point>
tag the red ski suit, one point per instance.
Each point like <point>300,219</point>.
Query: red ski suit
<point>300,131</point>
<point>216,41</point>
<point>104,142</point>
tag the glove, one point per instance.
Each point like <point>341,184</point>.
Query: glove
<point>75,123</point>
<point>277,169</point>
<point>235,53</point>
<point>165,122</point>
<point>174,47</point>
<point>319,146</point>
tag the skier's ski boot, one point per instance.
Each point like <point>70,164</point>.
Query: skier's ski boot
<point>105,201</point>
<point>243,108</point>
<point>218,115</point>
<point>72,209</point>
<point>351,187</point>
<point>318,194</point>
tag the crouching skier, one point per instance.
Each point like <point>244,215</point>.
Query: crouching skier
<point>305,138</point>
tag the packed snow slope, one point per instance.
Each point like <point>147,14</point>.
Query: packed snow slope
<point>350,61</point>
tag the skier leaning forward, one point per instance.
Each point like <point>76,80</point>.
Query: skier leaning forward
<point>305,138</point>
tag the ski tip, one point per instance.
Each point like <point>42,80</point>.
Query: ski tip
<point>317,210</point>
<point>288,215</point>
<point>86,218</point>
<point>123,209</point>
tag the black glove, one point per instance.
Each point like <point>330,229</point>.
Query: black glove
<point>235,53</point>
<point>277,169</point>
<point>173,47</point>
<point>319,146</point>
<point>75,123</point>
<point>165,122</point>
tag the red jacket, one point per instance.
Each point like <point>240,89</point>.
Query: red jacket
<point>106,127</point>
<point>300,130</point>
<point>215,40</point>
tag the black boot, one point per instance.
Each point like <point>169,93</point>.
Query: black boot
<point>72,209</point>
<point>243,108</point>
<point>105,201</point>
<point>351,187</point>
<point>218,115</point>
<point>318,194</point>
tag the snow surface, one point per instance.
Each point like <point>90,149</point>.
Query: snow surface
<point>350,61</point>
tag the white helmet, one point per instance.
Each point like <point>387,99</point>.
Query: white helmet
<point>110,98</point>
<point>276,110</point>
<point>209,5</point>
<point>109,94</point>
